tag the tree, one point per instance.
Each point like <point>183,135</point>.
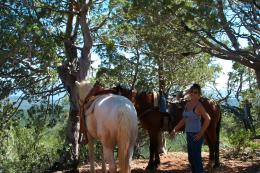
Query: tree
<point>227,29</point>
<point>28,57</point>
<point>139,45</point>
<point>39,36</point>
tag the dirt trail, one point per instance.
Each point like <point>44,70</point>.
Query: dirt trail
<point>176,162</point>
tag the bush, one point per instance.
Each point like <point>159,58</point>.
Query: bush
<point>240,140</point>
<point>23,153</point>
<point>31,144</point>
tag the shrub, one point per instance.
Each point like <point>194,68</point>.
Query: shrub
<point>241,140</point>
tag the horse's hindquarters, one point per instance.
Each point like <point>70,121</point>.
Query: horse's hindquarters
<point>113,120</point>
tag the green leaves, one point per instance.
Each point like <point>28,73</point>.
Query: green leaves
<point>29,48</point>
<point>151,34</point>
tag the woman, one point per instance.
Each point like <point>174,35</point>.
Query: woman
<point>192,115</point>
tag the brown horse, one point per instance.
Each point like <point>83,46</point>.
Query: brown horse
<point>212,132</point>
<point>150,119</point>
<point>153,121</point>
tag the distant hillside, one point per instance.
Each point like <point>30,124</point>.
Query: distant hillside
<point>25,104</point>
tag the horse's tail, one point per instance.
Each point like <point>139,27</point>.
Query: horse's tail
<point>126,137</point>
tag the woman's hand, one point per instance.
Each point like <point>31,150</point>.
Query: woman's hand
<point>198,136</point>
<point>177,127</point>
<point>173,133</point>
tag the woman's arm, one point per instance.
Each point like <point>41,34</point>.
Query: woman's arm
<point>201,111</point>
<point>177,127</point>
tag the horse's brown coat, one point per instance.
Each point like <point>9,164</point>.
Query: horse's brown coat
<point>152,120</point>
<point>213,130</point>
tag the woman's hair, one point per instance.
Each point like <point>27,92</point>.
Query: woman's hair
<point>195,87</point>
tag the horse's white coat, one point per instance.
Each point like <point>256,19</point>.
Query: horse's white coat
<point>113,120</point>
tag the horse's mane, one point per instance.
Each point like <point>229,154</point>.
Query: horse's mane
<point>208,101</point>
<point>204,99</point>
<point>143,93</point>
<point>122,90</point>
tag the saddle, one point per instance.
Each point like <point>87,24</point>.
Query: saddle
<point>90,98</point>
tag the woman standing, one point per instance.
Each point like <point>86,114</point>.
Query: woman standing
<point>192,115</point>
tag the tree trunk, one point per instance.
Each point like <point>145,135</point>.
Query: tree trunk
<point>70,152</point>
<point>74,68</point>
<point>257,73</point>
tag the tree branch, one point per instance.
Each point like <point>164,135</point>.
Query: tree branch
<point>84,62</point>
<point>226,26</point>
<point>95,29</point>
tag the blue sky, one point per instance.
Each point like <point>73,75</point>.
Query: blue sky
<point>223,76</point>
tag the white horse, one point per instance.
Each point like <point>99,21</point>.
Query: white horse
<point>112,119</point>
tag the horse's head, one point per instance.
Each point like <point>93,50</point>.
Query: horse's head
<point>128,93</point>
<point>121,90</point>
<point>143,101</point>
<point>83,89</point>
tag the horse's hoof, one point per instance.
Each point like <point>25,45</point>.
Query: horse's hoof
<point>211,170</point>
<point>217,165</point>
<point>150,168</point>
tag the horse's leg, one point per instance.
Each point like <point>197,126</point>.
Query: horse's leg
<point>216,165</point>
<point>154,152</point>
<point>91,154</point>
<point>217,144</point>
<point>211,144</point>
<point>108,153</point>
<point>151,150</point>
<point>157,156</point>
<point>103,162</point>
<point>125,152</point>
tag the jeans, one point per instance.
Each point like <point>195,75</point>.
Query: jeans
<point>194,152</point>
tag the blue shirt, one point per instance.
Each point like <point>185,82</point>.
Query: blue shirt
<point>192,121</point>
<point>162,104</point>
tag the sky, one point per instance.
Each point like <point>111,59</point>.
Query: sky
<point>96,60</point>
<point>223,76</point>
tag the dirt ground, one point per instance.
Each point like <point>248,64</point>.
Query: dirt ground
<point>176,162</point>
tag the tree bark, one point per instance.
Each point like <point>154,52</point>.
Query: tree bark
<point>257,73</point>
<point>69,155</point>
